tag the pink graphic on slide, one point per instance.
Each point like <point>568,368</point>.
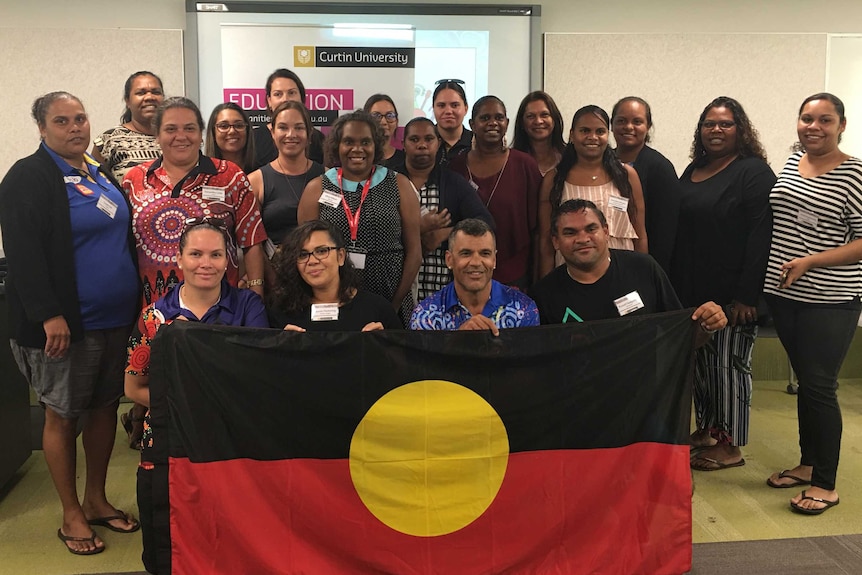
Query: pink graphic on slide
<point>315,98</point>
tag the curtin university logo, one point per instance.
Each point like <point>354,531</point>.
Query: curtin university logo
<point>303,56</point>
<point>351,57</point>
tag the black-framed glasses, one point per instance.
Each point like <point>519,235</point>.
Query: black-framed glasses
<point>723,125</point>
<point>388,115</point>
<point>214,222</point>
<point>320,253</point>
<point>224,127</point>
<point>450,81</point>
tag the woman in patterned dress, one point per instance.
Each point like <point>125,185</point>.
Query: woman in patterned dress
<point>375,208</point>
<point>134,141</point>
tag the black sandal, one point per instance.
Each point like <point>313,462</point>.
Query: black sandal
<point>135,432</point>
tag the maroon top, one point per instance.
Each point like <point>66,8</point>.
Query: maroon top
<point>514,203</point>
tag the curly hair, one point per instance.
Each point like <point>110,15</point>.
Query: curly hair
<point>333,139</point>
<point>291,294</point>
<point>747,138</point>
<point>610,163</point>
<point>211,148</point>
<point>521,140</point>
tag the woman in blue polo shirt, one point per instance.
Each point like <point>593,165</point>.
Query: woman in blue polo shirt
<point>203,296</point>
<point>72,294</point>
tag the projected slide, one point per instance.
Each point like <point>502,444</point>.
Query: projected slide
<point>341,67</point>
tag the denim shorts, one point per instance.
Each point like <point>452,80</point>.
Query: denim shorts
<point>89,376</point>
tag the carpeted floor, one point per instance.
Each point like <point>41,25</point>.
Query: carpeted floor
<point>839,555</point>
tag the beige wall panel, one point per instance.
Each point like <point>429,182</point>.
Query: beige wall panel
<point>679,74</point>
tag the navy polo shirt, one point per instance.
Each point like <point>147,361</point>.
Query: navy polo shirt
<point>104,269</point>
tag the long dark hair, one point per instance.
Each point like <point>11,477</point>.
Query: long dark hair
<point>211,148</point>
<point>610,163</point>
<point>127,92</point>
<point>747,139</point>
<point>521,141</point>
<point>291,293</point>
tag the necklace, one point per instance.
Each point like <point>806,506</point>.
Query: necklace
<point>499,176</point>
<point>283,172</point>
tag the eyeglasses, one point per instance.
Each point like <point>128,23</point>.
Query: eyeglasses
<point>450,81</point>
<point>388,115</point>
<point>320,253</point>
<point>224,127</point>
<point>214,222</point>
<point>723,125</point>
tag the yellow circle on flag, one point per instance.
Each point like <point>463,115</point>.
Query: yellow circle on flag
<point>429,457</point>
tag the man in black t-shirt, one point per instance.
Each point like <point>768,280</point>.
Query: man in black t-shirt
<point>596,282</point>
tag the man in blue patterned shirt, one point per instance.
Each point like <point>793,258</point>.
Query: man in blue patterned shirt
<point>474,301</point>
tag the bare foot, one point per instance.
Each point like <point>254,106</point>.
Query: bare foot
<point>806,501</point>
<point>701,438</point>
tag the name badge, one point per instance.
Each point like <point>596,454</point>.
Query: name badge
<point>324,311</point>
<point>629,303</point>
<point>107,205</point>
<point>330,199</point>
<point>474,184</point>
<point>618,203</point>
<point>357,259</point>
<point>212,193</point>
<point>806,218</point>
<point>72,179</point>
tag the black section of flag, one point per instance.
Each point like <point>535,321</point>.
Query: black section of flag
<point>266,394</point>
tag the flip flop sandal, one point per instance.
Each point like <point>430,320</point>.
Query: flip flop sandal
<point>92,539</point>
<point>797,481</point>
<point>121,516</point>
<point>709,464</point>
<point>799,509</point>
<point>128,421</point>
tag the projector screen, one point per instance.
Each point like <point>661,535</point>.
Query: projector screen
<point>346,52</point>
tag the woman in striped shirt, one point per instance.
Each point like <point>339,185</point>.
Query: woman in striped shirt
<point>813,282</point>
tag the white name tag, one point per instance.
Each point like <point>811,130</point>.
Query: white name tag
<point>107,205</point>
<point>629,303</point>
<point>806,218</point>
<point>212,193</point>
<point>330,199</point>
<point>357,259</point>
<point>72,179</point>
<point>324,311</point>
<point>618,203</point>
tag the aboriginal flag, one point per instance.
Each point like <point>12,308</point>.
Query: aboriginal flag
<point>558,449</point>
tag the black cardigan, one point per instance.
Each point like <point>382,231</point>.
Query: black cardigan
<point>37,240</point>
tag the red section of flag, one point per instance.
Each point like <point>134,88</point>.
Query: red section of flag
<point>623,510</point>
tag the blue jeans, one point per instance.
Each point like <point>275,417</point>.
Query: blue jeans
<point>816,338</point>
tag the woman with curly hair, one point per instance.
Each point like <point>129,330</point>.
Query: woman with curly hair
<point>589,170</point>
<point>539,130</point>
<point>375,208</point>
<point>317,288</point>
<point>722,245</point>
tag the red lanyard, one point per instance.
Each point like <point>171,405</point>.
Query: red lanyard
<point>353,219</point>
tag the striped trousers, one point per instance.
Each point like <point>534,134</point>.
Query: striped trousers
<point>722,384</point>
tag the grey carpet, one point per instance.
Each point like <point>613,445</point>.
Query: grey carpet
<point>838,555</point>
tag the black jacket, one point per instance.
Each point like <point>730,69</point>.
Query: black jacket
<point>37,240</point>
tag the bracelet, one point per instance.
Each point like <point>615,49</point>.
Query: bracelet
<point>253,283</point>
